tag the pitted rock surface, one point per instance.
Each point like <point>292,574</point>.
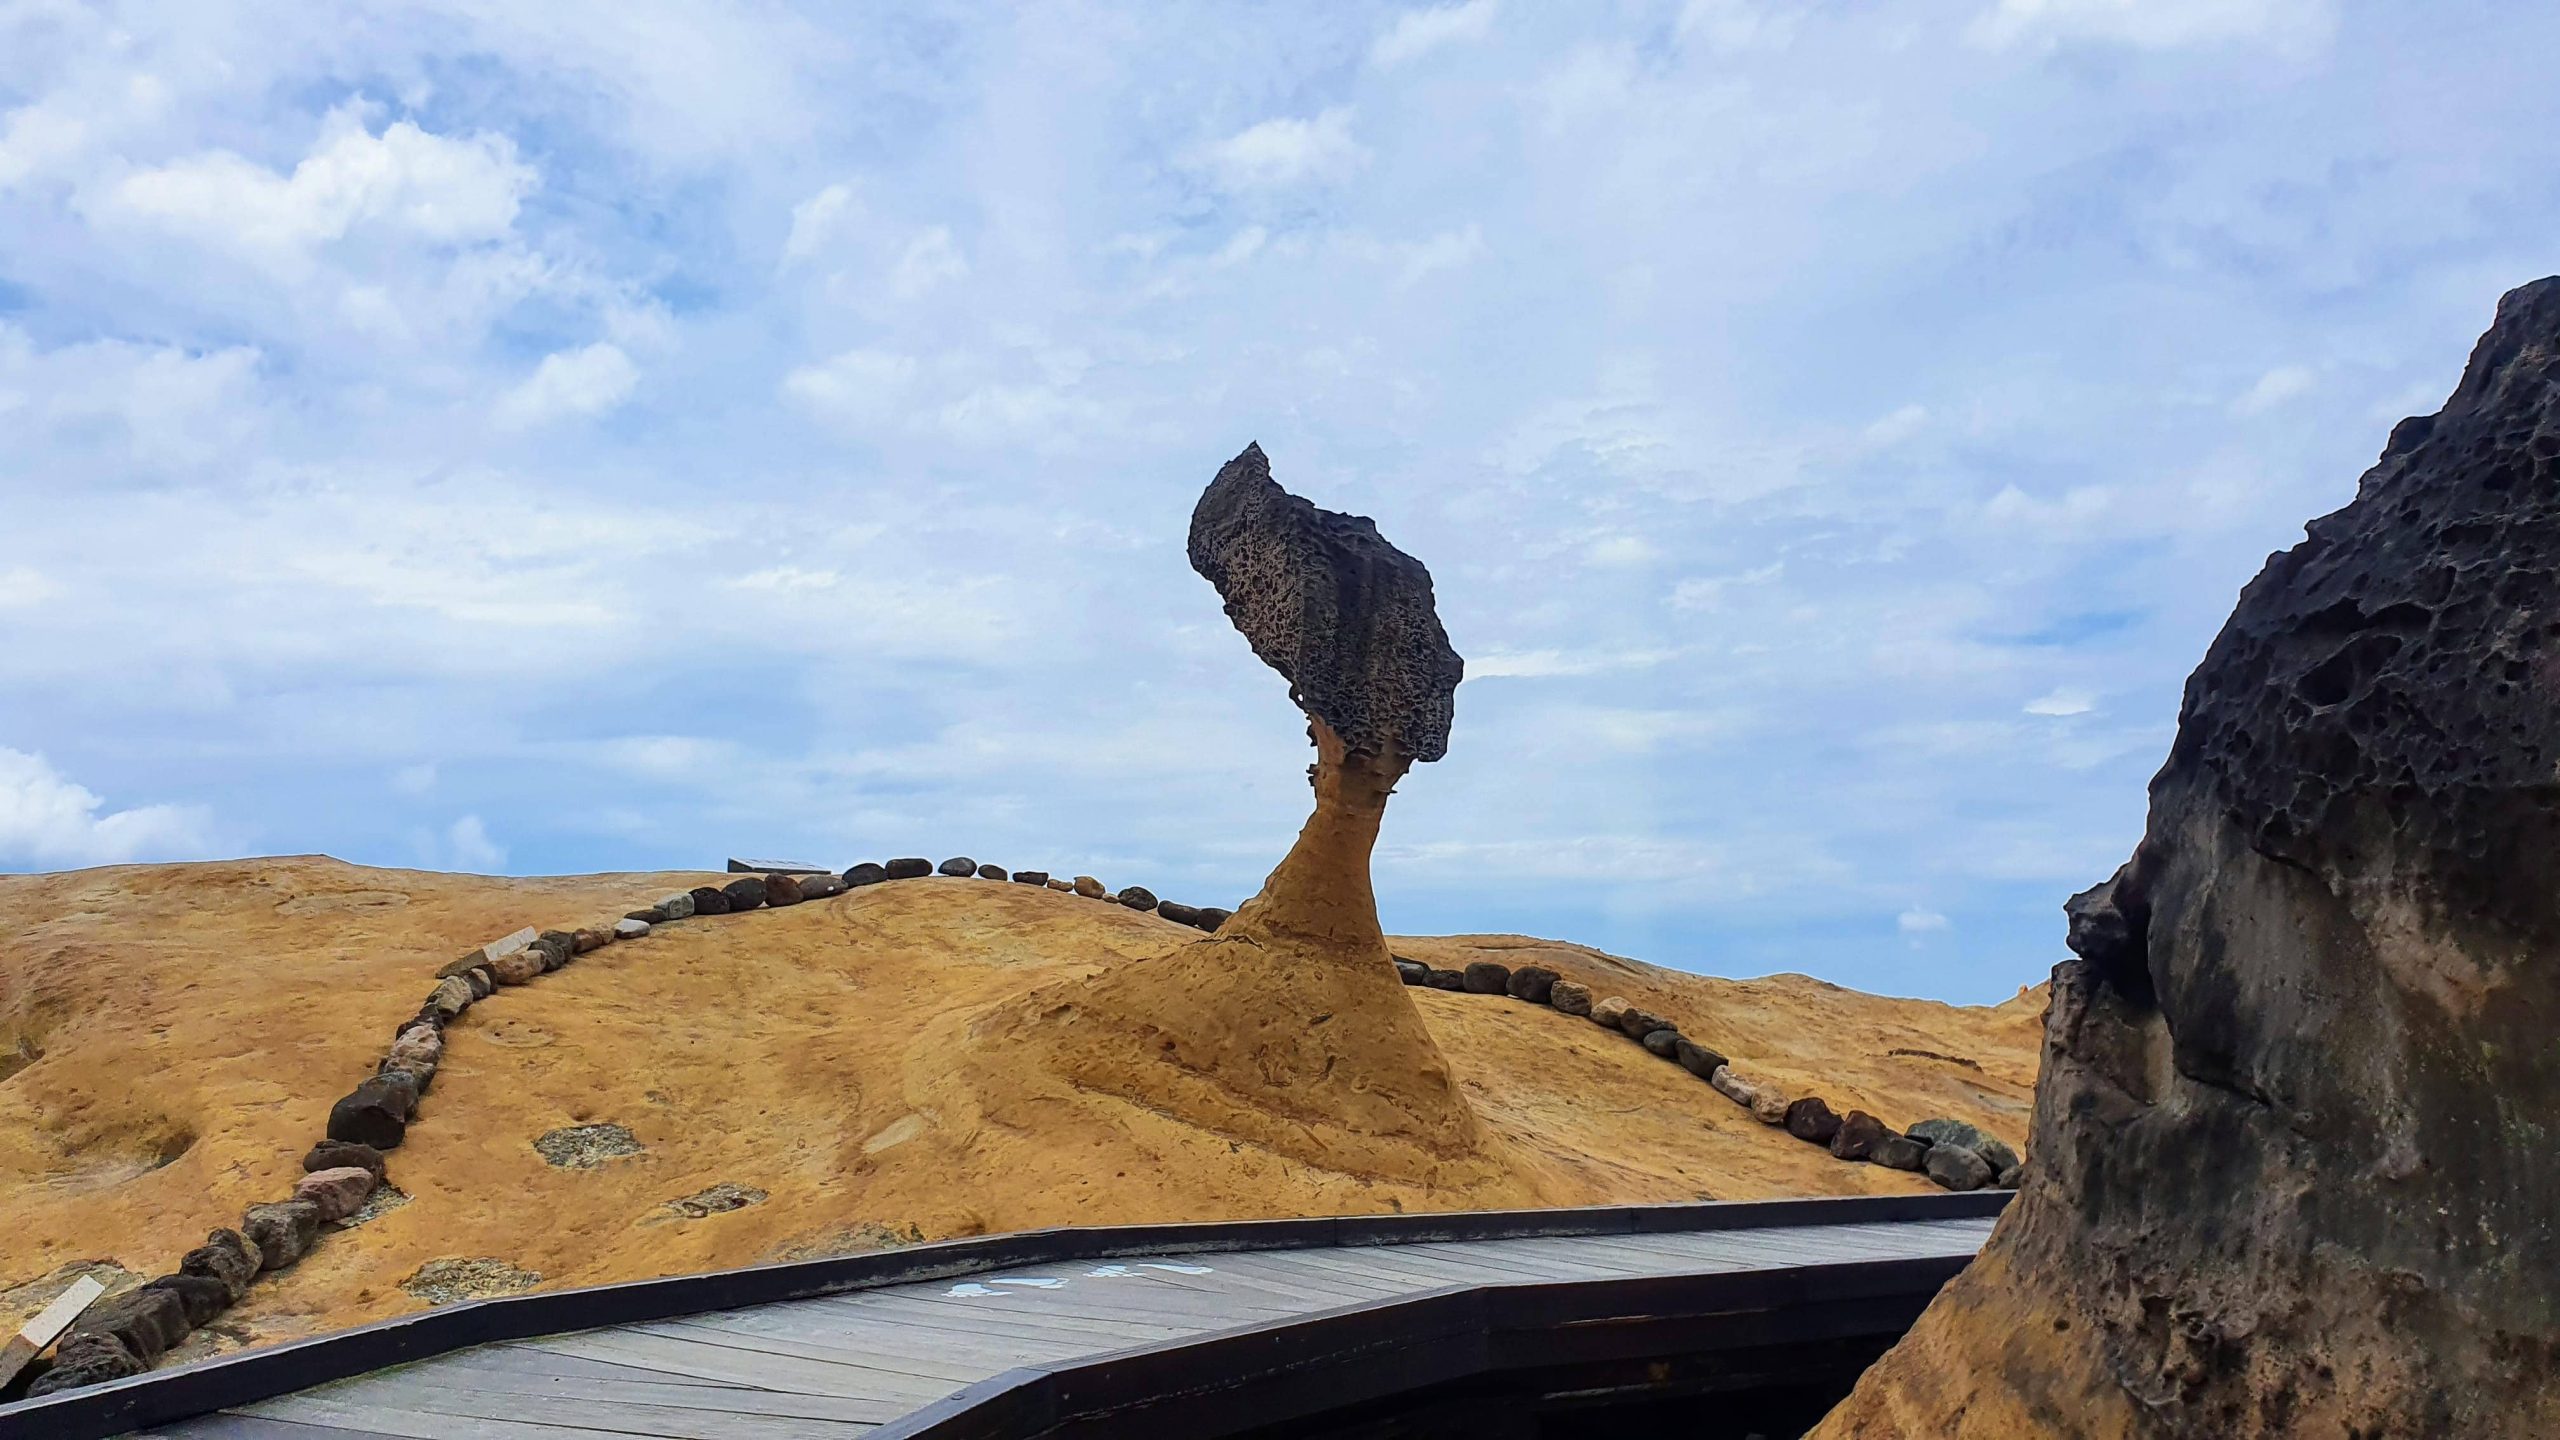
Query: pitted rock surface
<point>2293,1169</point>
<point>1327,602</point>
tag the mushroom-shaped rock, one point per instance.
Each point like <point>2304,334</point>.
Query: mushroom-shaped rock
<point>2294,1162</point>
<point>1287,1028</point>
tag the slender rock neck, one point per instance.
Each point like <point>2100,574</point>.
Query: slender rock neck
<point>1319,899</point>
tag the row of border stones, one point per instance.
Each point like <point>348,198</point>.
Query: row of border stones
<point>1955,1155</point>
<point>126,1334</point>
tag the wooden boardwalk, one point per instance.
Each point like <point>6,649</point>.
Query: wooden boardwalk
<point>899,1359</point>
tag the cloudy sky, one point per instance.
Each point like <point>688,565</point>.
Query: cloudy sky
<point>580,436</point>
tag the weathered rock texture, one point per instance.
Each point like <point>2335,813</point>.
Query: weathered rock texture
<point>2292,1170</point>
<point>1291,1029</point>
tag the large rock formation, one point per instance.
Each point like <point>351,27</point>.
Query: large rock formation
<point>2293,1169</point>
<point>1289,1029</point>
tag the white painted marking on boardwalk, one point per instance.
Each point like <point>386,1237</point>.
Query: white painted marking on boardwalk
<point>1036,1282</point>
<point>971,1289</point>
<point>1109,1272</point>
<point>1179,1269</point>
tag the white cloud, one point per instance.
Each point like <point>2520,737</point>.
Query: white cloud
<point>23,588</point>
<point>1543,664</point>
<point>46,819</point>
<point>36,138</point>
<point>1919,921</point>
<point>467,847</point>
<point>586,382</point>
<point>2063,702</point>
<point>1621,552</point>
<point>818,222</point>
<point>1419,32</point>
<point>1729,26</point>
<point>788,577</point>
<point>858,388</point>
<point>1286,151</point>
<point>1901,425</point>
<point>1707,592</point>
<point>929,260</point>
<point>2285,382</point>
<point>404,182</point>
<point>414,780</point>
<point>2155,24</point>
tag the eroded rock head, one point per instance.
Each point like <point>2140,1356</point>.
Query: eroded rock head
<point>2294,1170</point>
<point>1346,617</point>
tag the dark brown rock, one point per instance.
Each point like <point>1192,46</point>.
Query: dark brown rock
<point>200,1297</point>
<point>1028,877</point>
<point>1327,602</point>
<point>869,873</point>
<point>959,865</point>
<point>1484,977</point>
<point>1664,1042</point>
<point>906,867</point>
<point>1439,979</point>
<point>1533,983</point>
<point>86,1360</point>
<point>338,1154</point>
<point>1211,918</point>
<point>1859,1135</point>
<point>747,892</point>
<point>820,887</point>
<point>1810,1120</point>
<point>783,890</point>
<point>1177,912</point>
<point>225,1256</point>
<point>1637,1024</point>
<point>1412,972</point>
<point>148,1321</point>
<point>1138,897</point>
<point>375,1113</point>
<point>482,983</point>
<point>555,947</point>
<point>586,940</point>
<point>1697,1059</point>
<point>709,900</point>
<point>282,1232</point>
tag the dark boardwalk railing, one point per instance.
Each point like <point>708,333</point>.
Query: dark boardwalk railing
<point>1199,1329</point>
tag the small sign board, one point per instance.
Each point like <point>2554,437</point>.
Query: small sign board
<point>48,1326</point>
<point>776,867</point>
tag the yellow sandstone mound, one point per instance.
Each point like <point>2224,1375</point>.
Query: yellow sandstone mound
<point>847,1073</point>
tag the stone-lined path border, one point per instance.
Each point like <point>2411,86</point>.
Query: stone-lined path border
<point>127,1334</point>
<point>1956,1155</point>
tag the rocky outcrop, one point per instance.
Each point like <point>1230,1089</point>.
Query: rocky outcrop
<point>2292,1171</point>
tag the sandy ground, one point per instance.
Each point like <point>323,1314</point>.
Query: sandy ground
<point>171,1038</point>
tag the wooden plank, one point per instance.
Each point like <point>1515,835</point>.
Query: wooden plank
<point>760,1331</point>
<point>253,1427</point>
<point>419,1425</point>
<point>1195,1312</point>
<point>514,1359</point>
<point>47,1324</point>
<point>749,1367</point>
<point>1500,1261</point>
<point>407,1392</point>
<point>929,1313</point>
<point>1280,1280</point>
<point>608,1416</point>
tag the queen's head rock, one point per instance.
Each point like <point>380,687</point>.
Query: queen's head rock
<point>2293,1163</point>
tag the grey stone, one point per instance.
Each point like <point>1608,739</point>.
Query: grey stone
<point>200,1297</point>
<point>445,1281</point>
<point>991,872</point>
<point>1606,1013</point>
<point>628,929</point>
<point>710,900</point>
<point>282,1232</point>
<point>1899,1152</point>
<point>556,947</point>
<point>1697,1059</point>
<point>909,868</point>
<point>717,1200</point>
<point>1484,977</point>
<point>1942,1131</point>
<point>483,984</point>
<point>1636,1024</point>
<point>747,892</point>
<point>1177,912</point>
<point>1571,997</point>
<point>870,873</point>
<point>960,865</point>
<point>1533,983</point>
<point>678,906</point>
<point>1439,979</point>
<point>1138,897</point>
<point>225,1256</point>
<point>1412,972</point>
<point>2007,1179</point>
<point>1733,1087</point>
<point>86,1360</point>
<point>820,887</point>
<point>1326,601</point>
<point>1030,877</point>
<point>1664,1042</point>
<point>1957,1168</point>
<point>1212,918</point>
<point>148,1321</point>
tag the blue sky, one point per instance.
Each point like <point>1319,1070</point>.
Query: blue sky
<point>594,436</point>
